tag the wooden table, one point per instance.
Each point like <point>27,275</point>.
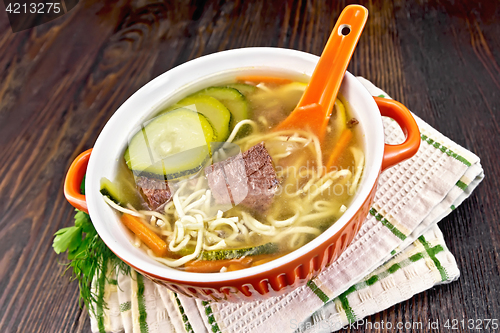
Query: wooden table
<point>61,81</point>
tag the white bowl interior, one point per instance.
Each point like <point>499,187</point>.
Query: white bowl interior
<point>192,75</point>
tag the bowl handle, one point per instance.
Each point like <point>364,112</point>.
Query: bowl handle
<point>74,179</point>
<point>394,154</point>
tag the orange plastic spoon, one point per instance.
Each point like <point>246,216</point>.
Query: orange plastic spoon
<point>316,105</point>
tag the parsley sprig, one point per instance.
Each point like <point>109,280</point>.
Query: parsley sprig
<point>87,255</point>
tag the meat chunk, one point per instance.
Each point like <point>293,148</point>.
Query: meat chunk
<point>154,191</point>
<point>352,122</point>
<point>218,184</point>
<point>248,179</point>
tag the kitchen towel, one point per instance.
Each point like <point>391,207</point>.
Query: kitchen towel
<point>398,252</point>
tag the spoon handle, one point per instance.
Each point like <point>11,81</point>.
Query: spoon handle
<point>316,105</point>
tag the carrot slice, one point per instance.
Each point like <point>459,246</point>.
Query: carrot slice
<point>236,267</point>
<point>262,261</point>
<point>340,146</point>
<point>152,240</point>
<point>262,78</point>
<point>214,266</point>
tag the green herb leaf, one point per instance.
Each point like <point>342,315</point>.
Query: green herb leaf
<point>82,220</point>
<point>67,239</point>
<point>87,255</point>
<point>80,251</point>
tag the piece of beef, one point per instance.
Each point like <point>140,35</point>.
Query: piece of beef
<point>218,184</point>
<point>236,179</point>
<point>154,191</point>
<point>352,122</point>
<point>248,179</point>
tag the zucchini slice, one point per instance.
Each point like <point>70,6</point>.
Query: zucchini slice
<point>232,99</point>
<point>110,190</point>
<point>123,191</point>
<point>216,112</point>
<point>245,89</point>
<point>268,248</point>
<point>171,145</point>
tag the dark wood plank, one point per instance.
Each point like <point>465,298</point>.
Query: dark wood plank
<point>60,82</point>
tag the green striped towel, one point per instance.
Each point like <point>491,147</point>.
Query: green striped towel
<point>398,252</point>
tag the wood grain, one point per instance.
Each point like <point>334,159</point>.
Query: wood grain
<point>61,81</point>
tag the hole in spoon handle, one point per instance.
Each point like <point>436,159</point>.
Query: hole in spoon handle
<point>344,30</point>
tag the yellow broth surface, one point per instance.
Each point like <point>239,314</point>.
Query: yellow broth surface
<point>312,191</point>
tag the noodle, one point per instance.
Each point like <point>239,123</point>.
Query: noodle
<point>191,197</point>
<point>181,261</point>
<point>157,216</point>
<point>284,223</point>
<point>359,161</point>
<point>219,246</point>
<point>239,126</point>
<point>181,245</point>
<point>120,208</point>
<point>196,203</point>
<point>223,221</point>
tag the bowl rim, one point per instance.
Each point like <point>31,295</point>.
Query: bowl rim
<point>92,186</point>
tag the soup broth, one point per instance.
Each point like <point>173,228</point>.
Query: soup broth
<point>207,185</point>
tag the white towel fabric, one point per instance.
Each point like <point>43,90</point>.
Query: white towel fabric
<point>398,253</point>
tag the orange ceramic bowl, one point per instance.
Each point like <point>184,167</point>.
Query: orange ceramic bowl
<point>280,275</point>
